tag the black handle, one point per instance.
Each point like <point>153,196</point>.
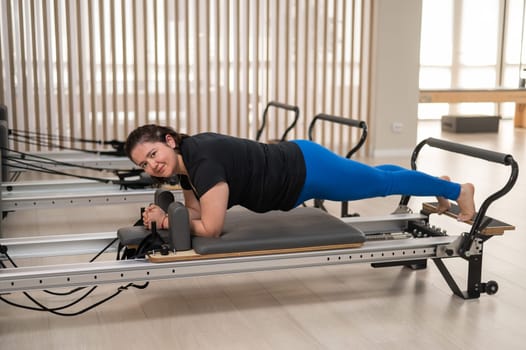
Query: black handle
<point>476,152</point>
<point>336,119</point>
<point>488,155</point>
<point>283,106</point>
<point>163,198</point>
<point>280,105</point>
<point>345,121</point>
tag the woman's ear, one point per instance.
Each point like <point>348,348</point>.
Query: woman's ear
<point>170,141</point>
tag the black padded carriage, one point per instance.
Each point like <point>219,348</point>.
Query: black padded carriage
<point>248,231</point>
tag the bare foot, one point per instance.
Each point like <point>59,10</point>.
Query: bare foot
<point>443,203</point>
<point>466,202</point>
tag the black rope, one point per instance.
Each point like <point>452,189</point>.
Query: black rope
<point>81,288</point>
<point>57,310</point>
<point>24,162</point>
<point>42,139</point>
<point>24,156</point>
<point>43,169</point>
<point>42,307</point>
<point>69,292</point>
<point>54,145</point>
<point>104,249</point>
<point>28,133</point>
<point>15,176</point>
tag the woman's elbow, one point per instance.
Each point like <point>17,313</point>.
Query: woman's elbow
<point>209,234</point>
<point>204,231</point>
<point>215,234</point>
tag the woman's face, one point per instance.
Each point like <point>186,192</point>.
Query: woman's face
<point>156,158</point>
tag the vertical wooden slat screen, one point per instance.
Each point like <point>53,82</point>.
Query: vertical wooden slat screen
<point>114,71</point>
<point>97,69</point>
<point>35,57</point>
<point>167,70</point>
<point>81,71</point>
<point>92,78</point>
<point>70,61</point>
<point>23,39</point>
<point>10,54</point>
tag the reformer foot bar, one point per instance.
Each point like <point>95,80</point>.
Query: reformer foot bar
<point>404,239</point>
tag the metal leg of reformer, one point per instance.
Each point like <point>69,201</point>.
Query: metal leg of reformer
<point>474,284</point>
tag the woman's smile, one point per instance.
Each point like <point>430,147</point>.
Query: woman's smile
<point>161,169</point>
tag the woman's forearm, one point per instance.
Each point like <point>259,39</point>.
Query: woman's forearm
<point>198,228</point>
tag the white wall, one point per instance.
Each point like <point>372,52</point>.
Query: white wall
<point>394,83</point>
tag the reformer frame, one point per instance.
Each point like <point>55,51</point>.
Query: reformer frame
<point>404,239</point>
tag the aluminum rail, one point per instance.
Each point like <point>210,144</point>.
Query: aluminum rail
<point>59,245</point>
<point>124,271</point>
<point>70,193</point>
<point>92,243</point>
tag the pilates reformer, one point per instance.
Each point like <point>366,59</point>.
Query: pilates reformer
<point>14,161</point>
<point>128,185</point>
<point>303,237</point>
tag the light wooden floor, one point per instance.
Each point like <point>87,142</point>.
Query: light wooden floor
<point>343,307</point>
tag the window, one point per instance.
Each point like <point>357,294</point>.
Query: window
<point>470,44</point>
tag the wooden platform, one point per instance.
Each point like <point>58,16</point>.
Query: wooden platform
<point>480,95</point>
<point>157,257</point>
<point>472,95</point>
<point>495,227</point>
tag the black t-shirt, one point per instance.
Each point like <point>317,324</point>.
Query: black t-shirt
<point>260,177</point>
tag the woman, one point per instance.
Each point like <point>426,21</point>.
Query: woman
<point>218,171</point>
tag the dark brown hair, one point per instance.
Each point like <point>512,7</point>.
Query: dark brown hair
<point>150,133</point>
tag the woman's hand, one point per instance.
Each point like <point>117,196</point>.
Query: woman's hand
<point>155,214</point>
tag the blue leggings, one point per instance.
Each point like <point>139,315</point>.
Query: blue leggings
<point>333,177</point>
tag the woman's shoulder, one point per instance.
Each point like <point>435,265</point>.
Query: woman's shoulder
<point>213,137</point>
<point>203,137</point>
<point>208,135</point>
<point>212,143</point>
